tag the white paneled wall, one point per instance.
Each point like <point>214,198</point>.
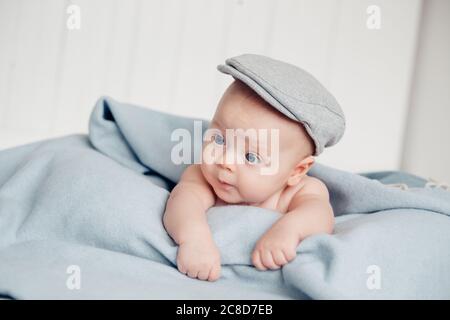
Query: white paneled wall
<point>163,54</point>
<point>427,147</point>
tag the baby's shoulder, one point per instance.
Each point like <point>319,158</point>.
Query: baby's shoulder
<point>291,195</point>
<point>309,187</point>
<point>312,185</point>
<point>193,173</point>
<point>193,177</point>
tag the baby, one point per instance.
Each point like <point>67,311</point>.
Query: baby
<point>222,179</point>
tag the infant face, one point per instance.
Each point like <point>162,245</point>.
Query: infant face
<point>235,168</point>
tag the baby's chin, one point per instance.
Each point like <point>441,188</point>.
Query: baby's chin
<point>230,196</point>
<point>226,197</point>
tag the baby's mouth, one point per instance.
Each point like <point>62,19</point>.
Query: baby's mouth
<point>225,185</point>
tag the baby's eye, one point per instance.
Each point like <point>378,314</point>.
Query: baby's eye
<point>252,158</point>
<point>218,139</point>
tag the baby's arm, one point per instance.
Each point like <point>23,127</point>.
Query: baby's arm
<point>309,213</point>
<point>185,221</point>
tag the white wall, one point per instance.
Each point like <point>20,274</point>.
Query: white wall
<point>163,54</point>
<point>427,145</point>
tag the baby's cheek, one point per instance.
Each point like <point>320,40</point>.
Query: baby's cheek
<point>254,188</point>
<point>207,171</point>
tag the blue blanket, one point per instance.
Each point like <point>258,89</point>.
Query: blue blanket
<point>81,218</point>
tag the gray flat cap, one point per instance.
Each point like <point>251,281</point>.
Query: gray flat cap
<point>294,92</point>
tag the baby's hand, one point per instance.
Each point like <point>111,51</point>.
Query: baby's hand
<point>275,248</point>
<point>200,259</point>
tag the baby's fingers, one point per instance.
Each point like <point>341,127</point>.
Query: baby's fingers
<point>192,272</point>
<point>214,274</point>
<point>203,273</point>
<point>267,260</point>
<point>290,254</point>
<point>256,259</point>
<point>279,258</point>
<point>181,267</point>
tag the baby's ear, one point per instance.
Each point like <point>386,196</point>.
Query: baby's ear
<point>300,170</point>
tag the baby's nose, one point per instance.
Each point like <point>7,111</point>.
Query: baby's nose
<point>228,166</point>
<point>228,159</point>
